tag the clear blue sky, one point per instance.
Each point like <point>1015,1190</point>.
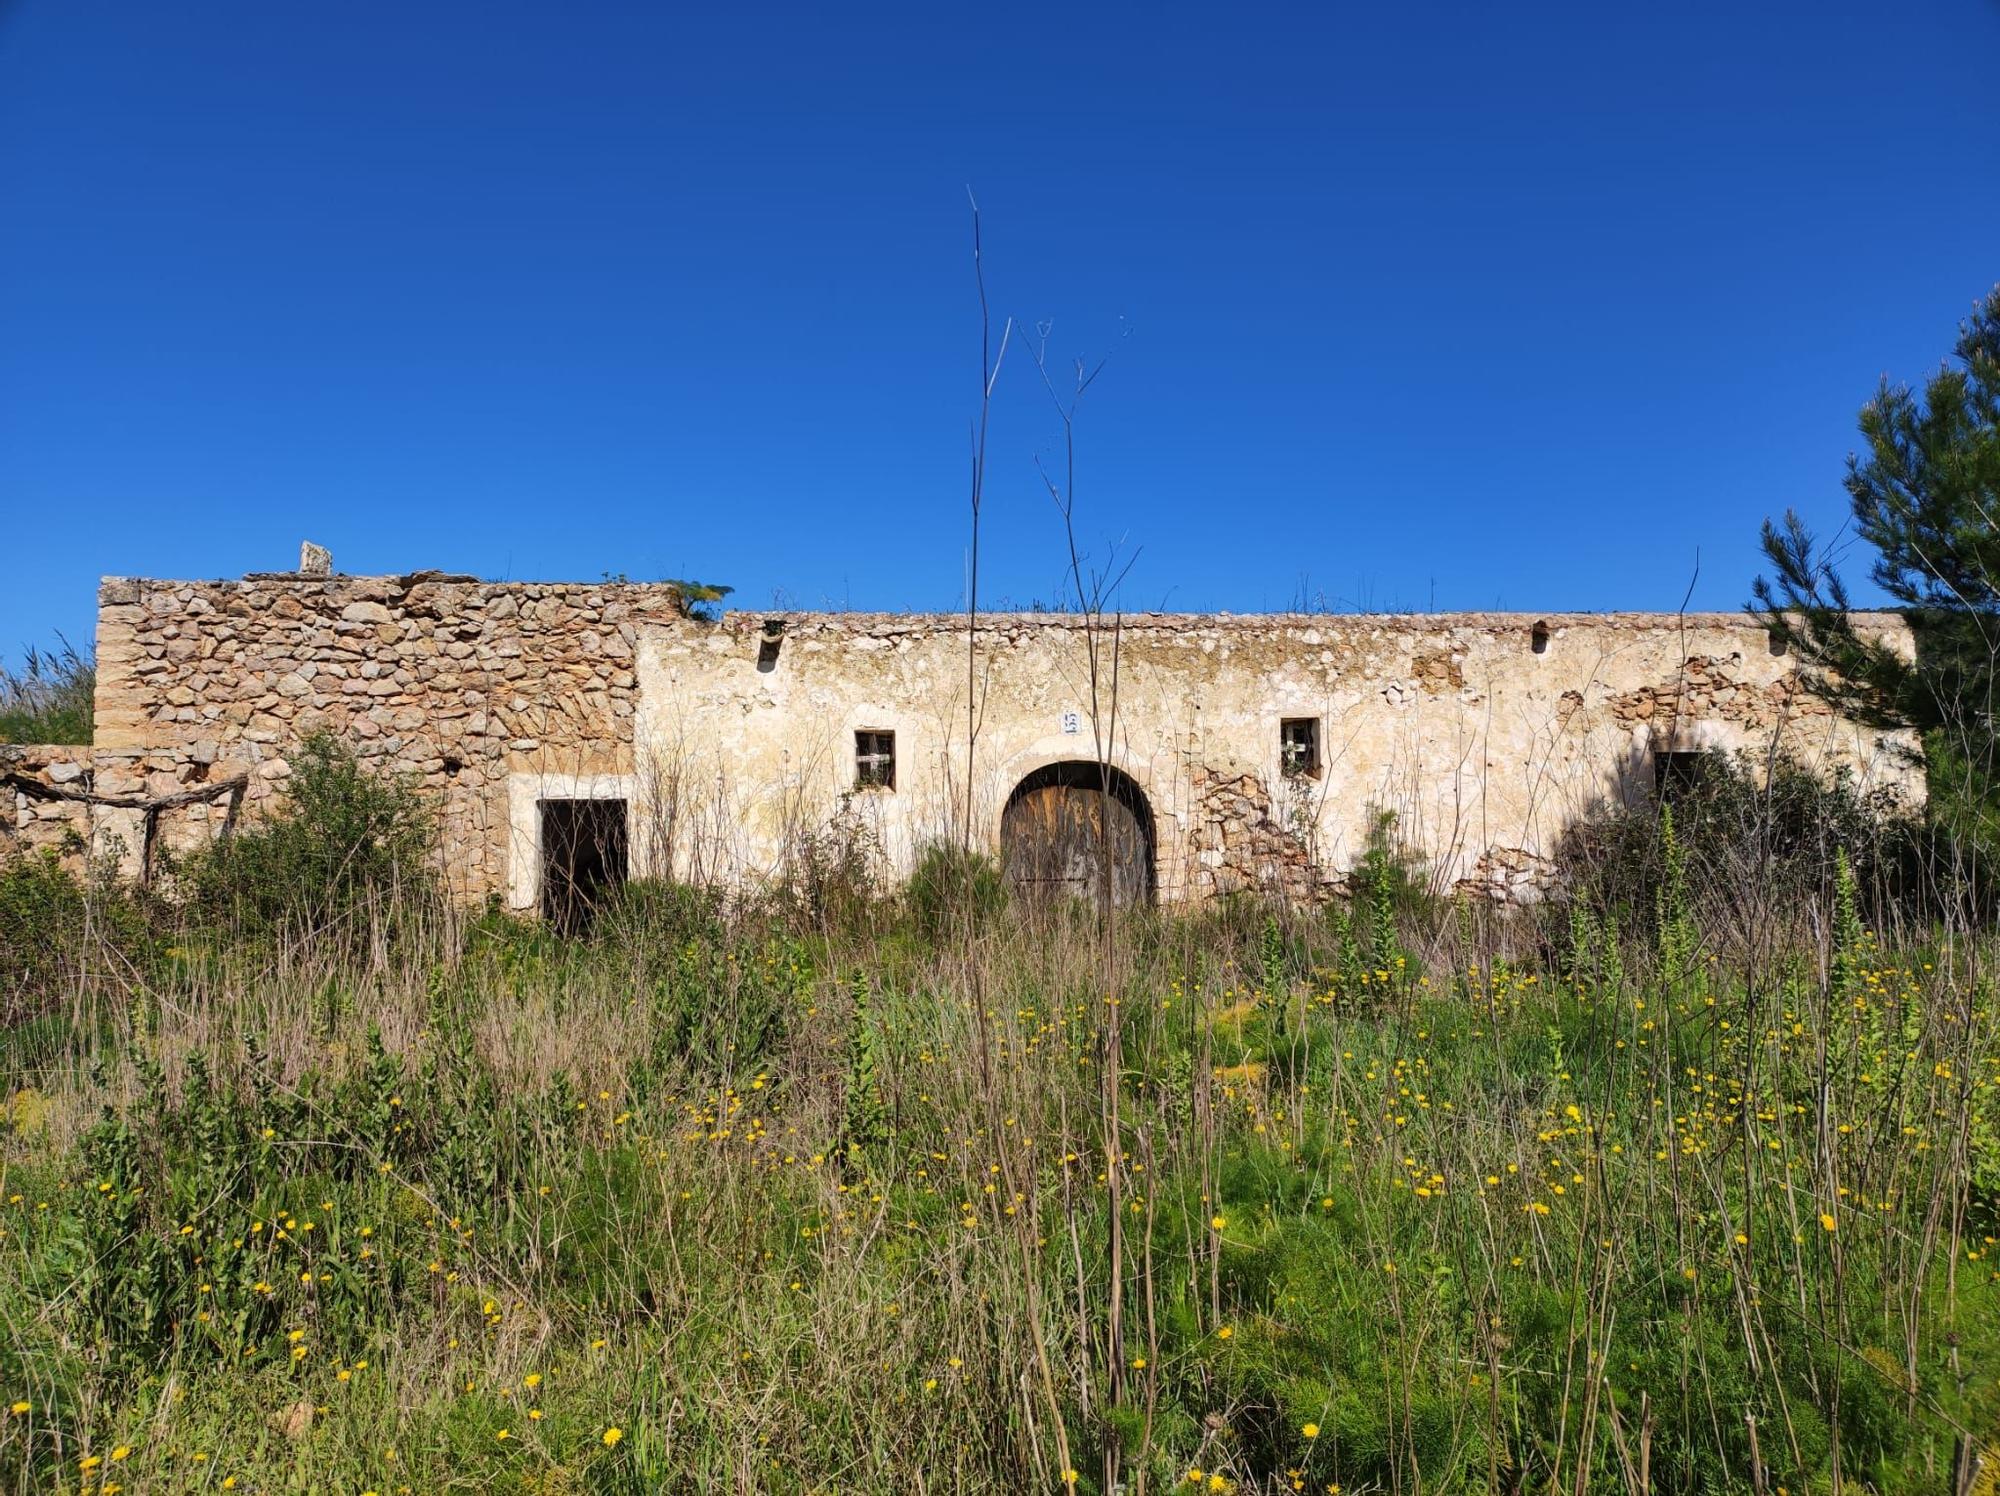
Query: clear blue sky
<point>1405,306</point>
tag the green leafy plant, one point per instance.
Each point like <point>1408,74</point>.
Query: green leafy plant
<point>951,889</point>
<point>345,839</point>
<point>700,600</point>
<point>61,933</point>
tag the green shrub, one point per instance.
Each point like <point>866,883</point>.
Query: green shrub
<point>649,913</point>
<point>1748,840</point>
<point>830,877</point>
<point>345,839</point>
<point>952,889</point>
<point>1390,889</point>
<point>59,933</point>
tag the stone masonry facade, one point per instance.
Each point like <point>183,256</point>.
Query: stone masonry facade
<point>728,742</point>
<point>453,683</point>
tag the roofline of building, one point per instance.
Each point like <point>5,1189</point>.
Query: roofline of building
<point>1138,619</point>
<point>990,618</point>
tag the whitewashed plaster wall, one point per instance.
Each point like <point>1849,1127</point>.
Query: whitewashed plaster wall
<point>1481,746</point>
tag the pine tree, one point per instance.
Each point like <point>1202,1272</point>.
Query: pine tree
<point>1925,493</point>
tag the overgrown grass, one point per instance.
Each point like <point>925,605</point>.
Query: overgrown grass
<point>749,1198</point>
<point>50,698</point>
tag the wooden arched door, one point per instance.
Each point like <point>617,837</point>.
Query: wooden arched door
<point>1060,822</point>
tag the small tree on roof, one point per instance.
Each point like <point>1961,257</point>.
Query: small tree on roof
<point>698,599</point>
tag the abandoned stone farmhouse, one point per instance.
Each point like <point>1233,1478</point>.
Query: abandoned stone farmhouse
<point>574,734</point>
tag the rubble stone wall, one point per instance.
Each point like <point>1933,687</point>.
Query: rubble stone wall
<point>36,823</point>
<point>58,794</point>
<point>458,684</point>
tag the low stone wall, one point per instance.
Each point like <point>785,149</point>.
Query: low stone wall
<point>108,808</point>
<point>36,822</point>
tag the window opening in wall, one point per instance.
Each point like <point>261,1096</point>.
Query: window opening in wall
<point>1777,642</point>
<point>1538,638</point>
<point>1680,772</point>
<point>583,859</point>
<point>875,760</point>
<point>1298,747</point>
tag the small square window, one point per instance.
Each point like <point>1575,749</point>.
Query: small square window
<point>875,760</point>
<point>1298,747</point>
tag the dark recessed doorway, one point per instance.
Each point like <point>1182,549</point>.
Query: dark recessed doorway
<point>583,859</point>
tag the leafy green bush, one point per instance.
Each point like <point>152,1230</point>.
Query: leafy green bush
<point>345,838</point>
<point>1749,840</point>
<point>652,913</point>
<point>830,876</point>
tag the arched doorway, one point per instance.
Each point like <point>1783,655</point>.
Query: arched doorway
<point>1056,827</point>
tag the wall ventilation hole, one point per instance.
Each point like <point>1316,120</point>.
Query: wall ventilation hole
<point>452,766</point>
<point>1538,640</point>
<point>767,650</point>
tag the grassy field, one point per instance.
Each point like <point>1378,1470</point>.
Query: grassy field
<point>911,1198</point>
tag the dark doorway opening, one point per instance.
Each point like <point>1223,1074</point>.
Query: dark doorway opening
<point>1062,821</point>
<point>583,859</point>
